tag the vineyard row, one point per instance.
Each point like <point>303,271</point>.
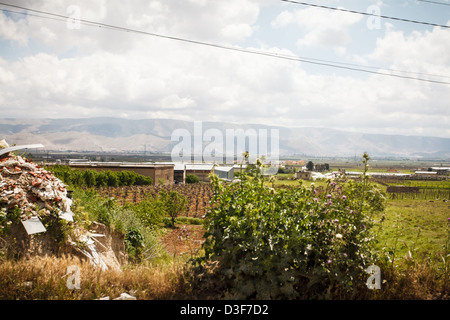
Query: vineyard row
<point>197,194</point>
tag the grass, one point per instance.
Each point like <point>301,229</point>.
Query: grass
<point>46,278</point>
<point>415,227</point>
<point>442,185</point>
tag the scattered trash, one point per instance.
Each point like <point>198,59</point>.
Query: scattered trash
<point>31,188</point>
<point>31,193</point>
<point>33,225</point>
<point>91,251</point>
<point>125,296</point>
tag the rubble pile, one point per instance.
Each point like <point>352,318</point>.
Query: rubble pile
<point>34,190</point>
<point>37,194</point>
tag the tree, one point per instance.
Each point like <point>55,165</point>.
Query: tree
<point>113,180</point>
<point>174,203</point>
<point>89,177</point>
<point>310,166</point>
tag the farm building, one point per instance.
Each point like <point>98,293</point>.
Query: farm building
<point>425,174</point>
<point>294,166</point>
<point>202,171</point>
<point>304,175</point>
<point>226,173</point>
<point>160,173</point>
<point>441,170</point>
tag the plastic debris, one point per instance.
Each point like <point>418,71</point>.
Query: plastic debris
<point>31,188</point>
<point>125,296</point>
<point>33,225</point>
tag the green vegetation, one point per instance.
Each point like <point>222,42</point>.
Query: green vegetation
<point>265,239</point>
<point>91,178</point>
<point>173,204</point>
<point>134,221</point>
<point>310,166</point>
<point>190,178</point>
<point>413,228</point>
<point>291,243</point>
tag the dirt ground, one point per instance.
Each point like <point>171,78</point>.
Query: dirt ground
<point>184,239</point>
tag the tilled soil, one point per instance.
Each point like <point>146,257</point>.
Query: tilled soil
<point>184,239</point>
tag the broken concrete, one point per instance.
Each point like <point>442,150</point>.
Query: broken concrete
<point>31,195</point>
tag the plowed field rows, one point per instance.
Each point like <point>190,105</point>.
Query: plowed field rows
<point>198,195</point>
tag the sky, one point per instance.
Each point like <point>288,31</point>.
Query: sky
<point>266,62</point>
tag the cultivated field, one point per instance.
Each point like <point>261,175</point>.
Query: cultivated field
<point>412,235</point>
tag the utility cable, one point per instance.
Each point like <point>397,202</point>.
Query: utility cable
<point>435,2</point>
<point>366,14</point>
<point>237,49</point>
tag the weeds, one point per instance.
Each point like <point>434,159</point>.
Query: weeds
<point>46,278</point>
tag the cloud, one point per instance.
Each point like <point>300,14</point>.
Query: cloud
<point>94,71</point>
<point>13,30</point>
<point>318,27</point>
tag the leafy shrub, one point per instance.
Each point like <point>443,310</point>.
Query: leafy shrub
<point>190,178</point>
<point>150,211</point>
<point>134,241</point>
<point>290,243</point>
<point>129,220</point>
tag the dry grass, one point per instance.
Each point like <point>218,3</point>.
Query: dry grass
<point>46,278</point>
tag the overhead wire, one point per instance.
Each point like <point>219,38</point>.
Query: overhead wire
<point>435,2</point>
<point>326,63</point>
<point>367,14</point>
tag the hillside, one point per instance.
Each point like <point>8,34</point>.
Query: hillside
<point>154,135</point>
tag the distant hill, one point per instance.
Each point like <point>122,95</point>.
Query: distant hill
<point>154,135</point>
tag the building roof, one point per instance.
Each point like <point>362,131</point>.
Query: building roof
<point>199,167</point>
<point>223,169</point>
<point>120,164</point>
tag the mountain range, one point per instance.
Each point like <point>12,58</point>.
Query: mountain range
<point>108,134</point>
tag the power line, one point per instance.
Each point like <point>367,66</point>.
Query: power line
<point>435,2</point>
<point>345,66</point>
<point>366,14</point>
<point>310,60</point>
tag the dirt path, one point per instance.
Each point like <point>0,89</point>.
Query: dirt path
<point>184,239</point>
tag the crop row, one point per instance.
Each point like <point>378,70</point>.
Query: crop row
<point>197,194</point>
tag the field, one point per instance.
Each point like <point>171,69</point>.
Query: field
<point>416,227</point>
<point>198,195</point>
<point>414,222</point>
<point>413,236</point>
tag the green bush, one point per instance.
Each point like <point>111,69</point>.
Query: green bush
<point>90,206</point>
<point>290,243</point>
<point>150,211</point>
<point>190,178</point>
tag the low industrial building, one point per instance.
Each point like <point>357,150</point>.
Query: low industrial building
<point>225,173</point>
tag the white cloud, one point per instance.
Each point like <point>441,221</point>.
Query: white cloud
<point>321,28</point>
<point>13,30</point>
<point>96,72</point>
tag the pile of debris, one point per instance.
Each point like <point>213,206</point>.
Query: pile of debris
<point>31,188</point>
<point>33,193</point>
